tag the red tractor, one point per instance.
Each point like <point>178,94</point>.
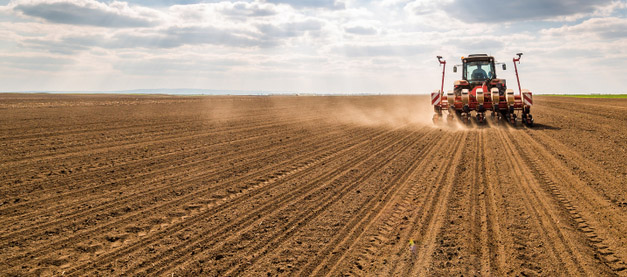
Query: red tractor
<point>480,91</point>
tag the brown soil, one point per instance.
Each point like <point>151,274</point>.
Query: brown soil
<point>161,185</point>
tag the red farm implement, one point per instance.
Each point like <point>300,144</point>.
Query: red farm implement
<point>480,91</point>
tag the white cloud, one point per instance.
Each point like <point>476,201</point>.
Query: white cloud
<point>504,11</point>
<point>310,46</point>
<point>86,12</point>
<point>327,4</point>
<point>423,7</point>
<point>361,30</point>
<point>609,28</point>
<point>383,50</point>
<point>35,62</point>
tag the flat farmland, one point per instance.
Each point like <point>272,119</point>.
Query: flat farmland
<point>284,185</point>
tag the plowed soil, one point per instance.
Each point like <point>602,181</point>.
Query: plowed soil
<point>225,186</point>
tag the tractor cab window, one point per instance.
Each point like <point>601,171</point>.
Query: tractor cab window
<point>478,71</point>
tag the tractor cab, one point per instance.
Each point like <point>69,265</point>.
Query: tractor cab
<point>477,68</point>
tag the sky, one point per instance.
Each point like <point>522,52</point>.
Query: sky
<point>308,46</point>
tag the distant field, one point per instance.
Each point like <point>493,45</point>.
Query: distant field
<point>590,95</point>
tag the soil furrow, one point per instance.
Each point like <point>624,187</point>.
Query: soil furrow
<point>113,193</point>
<point>62,145</point>
<point>85,128</point>
<point>484,258</point>
<point>544,213</point>
<point>327,260</point>
<point>431,225</point>
<point>108,147</point>
<point>608,185</point>
<point>393,233</point>
<point>117,185</point>
<point>185,158</point>
<point>299,233</point>
<point>422,220</point>
<point>228,203</point>
<point>455,244</point>
<point>493,250</point>
<point>360,260</point>
<point>126,217</point>
<point>581,213</point>
<point>323,199</point>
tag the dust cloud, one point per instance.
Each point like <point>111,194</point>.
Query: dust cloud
<point>392,112</point>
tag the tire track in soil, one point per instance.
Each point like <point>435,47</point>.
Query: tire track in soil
<point>210,133</point>
<point>366,259</point>
<point>544,215</point>
<point>529,250</point>
<point>475,244</point>
<point>107,147</point>
<point>329,260</point>
<point>435,226</point>
<point>88,159</point>
<point>37,206</point>
<point>583,168</point>
<point>49,247</point>
<point>119,201</point>
<point>460,248</point>
<point>83,129</point>
<point>75,188</point>
<point>522,255</point>
<point>597,116</point>
<point>554,180</point>
<point>493,249</point>
<point>425,212</point>
<point>230,201</point>
<point>321,198</point>
<point>187,225</point>
<point>469,242</point>
<point>46,145</point>
<point>487,261</point>
<point>63,145</point>
<point>58,185</point>
<point>482,255</point>
<point>308,231</point>
<point>393,221</point>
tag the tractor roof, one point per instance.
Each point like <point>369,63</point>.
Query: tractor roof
<point>478,57</point>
